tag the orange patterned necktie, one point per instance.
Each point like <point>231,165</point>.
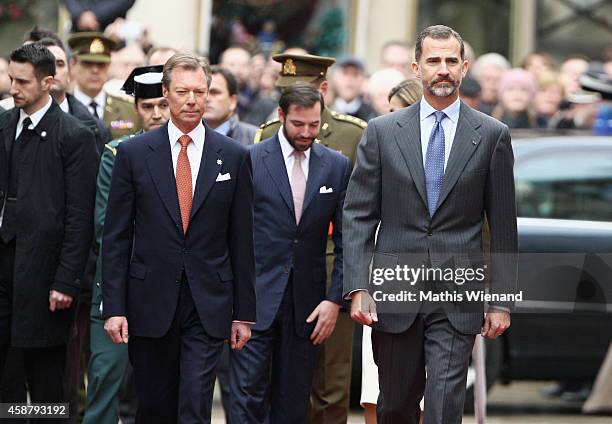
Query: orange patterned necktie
<point>183,182</point>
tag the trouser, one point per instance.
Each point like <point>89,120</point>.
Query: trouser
<point>332,376</point>
<point>271,377</point>
<point>106,370</point>
<point>43,367</point>
<point>431,342</point>
<point>174,374</point>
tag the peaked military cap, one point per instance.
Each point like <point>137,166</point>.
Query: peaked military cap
<point>91,47</point>
<point>301,67</point>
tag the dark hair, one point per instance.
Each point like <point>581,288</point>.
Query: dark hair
<point>230,79</point>
<point>300,94</point>
<point>39,56</point>
<point>48,42</point>
<point>38,34</point>
<point>437,32</point>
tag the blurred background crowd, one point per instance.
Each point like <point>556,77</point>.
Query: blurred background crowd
<point>539,89</point>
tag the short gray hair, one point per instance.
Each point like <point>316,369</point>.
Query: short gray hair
<point>186,61</point>
<point>437,32</point>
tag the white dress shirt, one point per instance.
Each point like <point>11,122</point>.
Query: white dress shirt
<point>194,149</point>
<point>64,106</point>
<point>35,118</point>
<point>287,150</point>
<point>449,125</point>
<point>100,99</point>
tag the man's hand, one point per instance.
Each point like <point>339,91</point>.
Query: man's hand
<point>88,21</point>
<point>326,314</point>
<point>363,308</point>
<point>496,322</point>
<point>59,301</point>
<point>241,333</point>
<point>117,329</point>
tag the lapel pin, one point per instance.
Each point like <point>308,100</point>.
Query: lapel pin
<point>474,142</point>
<point>43,134</point>
<point>219,162</point>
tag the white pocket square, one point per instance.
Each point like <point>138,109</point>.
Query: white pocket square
<point>223,177</point>
<point>326,190</point>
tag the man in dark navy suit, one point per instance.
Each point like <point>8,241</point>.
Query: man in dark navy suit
<point>177,252</point>
<point>299,188</point>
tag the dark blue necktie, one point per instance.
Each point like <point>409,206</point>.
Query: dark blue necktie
<point>434,163</point>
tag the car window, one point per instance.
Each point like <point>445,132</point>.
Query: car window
<point>567,183</point>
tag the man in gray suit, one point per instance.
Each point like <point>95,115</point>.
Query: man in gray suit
<point>426,176</point>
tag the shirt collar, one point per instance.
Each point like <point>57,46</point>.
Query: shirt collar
<point>452,111</point>
<point>197,134</point>
<point>64,106</point>
<point>36,116</point>
<point>286,147</point>
<point>224,127</point>
<point>100,98</point>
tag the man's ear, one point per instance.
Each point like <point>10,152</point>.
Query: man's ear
<point>324,87</point>
<point>164,91</point>
<point>46,82</point>
<point>415,69</point>
<point>233,103</point>
<point>281,116</point>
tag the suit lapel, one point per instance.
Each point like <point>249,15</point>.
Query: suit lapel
<point>9,129</point>
<point>408,139</point>
<point>275,164</point>
<point>210,165</point>
<point>317,164</point>
<point>465,143</point>
<point>161,169</point>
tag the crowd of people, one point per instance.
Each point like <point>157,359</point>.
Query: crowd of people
<point>64,292</point>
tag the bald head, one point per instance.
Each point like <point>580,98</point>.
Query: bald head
<point>237,60</point>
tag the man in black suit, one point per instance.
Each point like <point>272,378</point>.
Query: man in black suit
<point>299,189</point>
<point>425,178</point>
<point>47,185</point>
<point>177,252</point>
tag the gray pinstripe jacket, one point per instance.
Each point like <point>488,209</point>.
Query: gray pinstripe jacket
<point>387,188</point>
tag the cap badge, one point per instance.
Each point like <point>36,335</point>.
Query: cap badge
<point>289,67</point>
<point>96,47</point>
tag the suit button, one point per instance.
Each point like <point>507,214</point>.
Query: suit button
<point>295,241</point>
<point>430,233</point>
<point>98,284</point>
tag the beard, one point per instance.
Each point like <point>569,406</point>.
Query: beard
<point>301,145</point>
<point>448,87</point>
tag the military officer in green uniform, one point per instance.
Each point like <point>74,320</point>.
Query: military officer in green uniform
<point>330,391</point>
<point>91,56</point>
<point>108,361</point>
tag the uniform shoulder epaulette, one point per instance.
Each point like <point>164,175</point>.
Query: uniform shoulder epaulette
<point>119,97</point>
<point>348,118</point>
<point>260,131</point>
<point>112,145</point>
<point>270,122</point>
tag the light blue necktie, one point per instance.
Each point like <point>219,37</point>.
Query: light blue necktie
<point>434,163</point>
